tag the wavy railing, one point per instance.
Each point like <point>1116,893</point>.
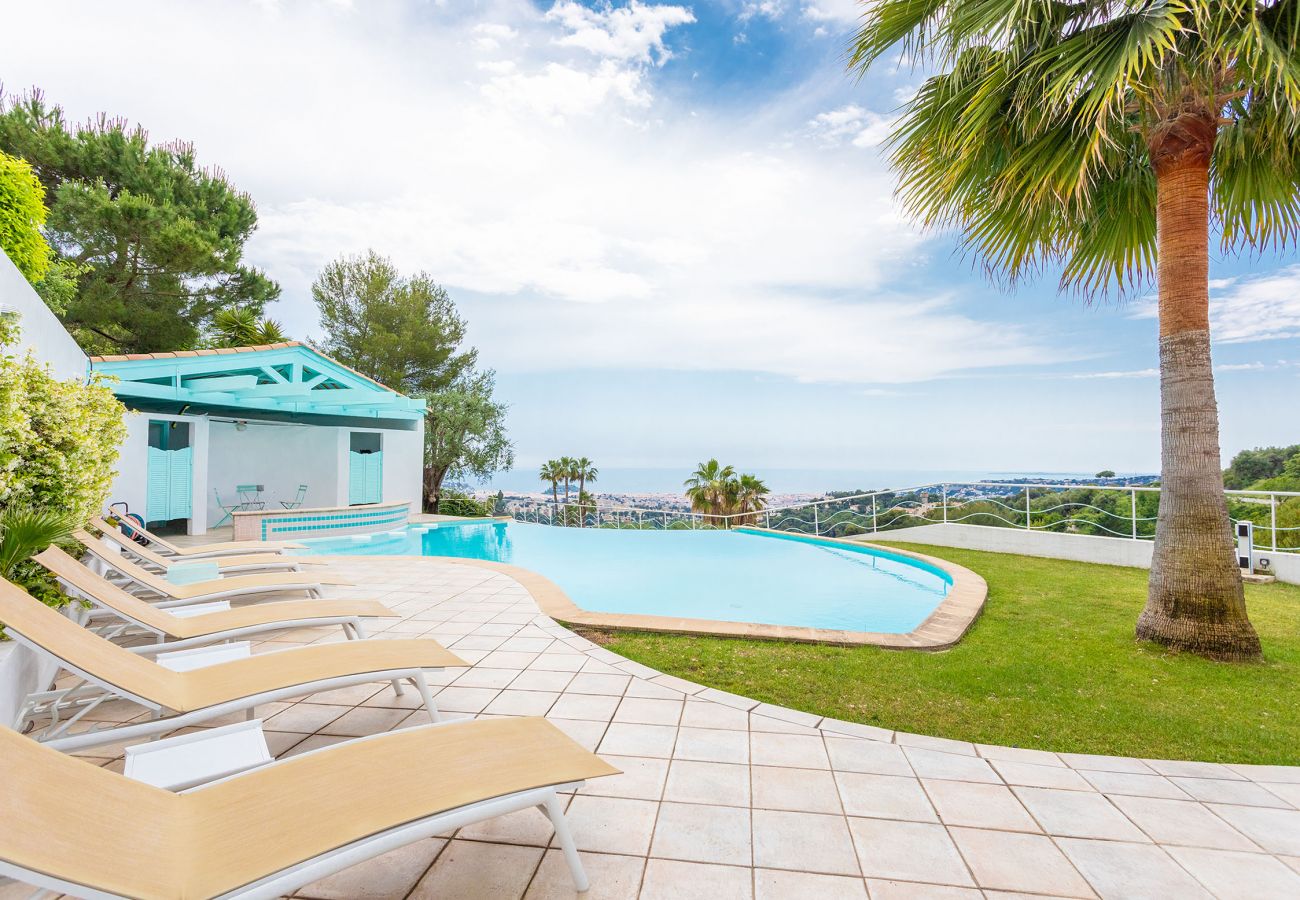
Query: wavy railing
<point>1122,511</point>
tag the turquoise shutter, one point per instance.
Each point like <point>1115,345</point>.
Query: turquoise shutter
<point>356,478</point>
<point>181,481</point>
<point>158,487</point>
<point>375,477</point>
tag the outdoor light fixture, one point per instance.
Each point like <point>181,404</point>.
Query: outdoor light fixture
<point>1246,545</point>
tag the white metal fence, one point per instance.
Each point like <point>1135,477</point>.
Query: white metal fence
<point>1122,511</point>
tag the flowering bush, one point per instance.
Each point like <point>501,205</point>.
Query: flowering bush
<point>59,441</point>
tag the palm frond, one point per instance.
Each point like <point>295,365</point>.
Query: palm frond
<point>25,531</point>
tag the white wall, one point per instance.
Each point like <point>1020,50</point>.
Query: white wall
<point>131,483</point>
<point>279,456</point>
<point>1054,545</point>
<point>41,330</point>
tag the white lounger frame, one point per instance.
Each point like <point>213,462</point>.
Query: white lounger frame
<point>288,880</point>
<point>89,692</point>
<point>283,564</point>
<point>313,588</point>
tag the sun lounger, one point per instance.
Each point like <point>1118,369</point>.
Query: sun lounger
<point>180,698</point>
<point>244,562</point>
<point>199,623</point>
<point>223,548</point>
<point>76,828</point>
<point>213,589</point>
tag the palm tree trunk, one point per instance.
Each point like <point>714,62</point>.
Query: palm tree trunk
<point>582,517</point>
<point>1194,599</point>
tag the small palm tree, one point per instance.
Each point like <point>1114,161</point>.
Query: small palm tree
<point>237,326</point>
<point>25,531</point>
<point>751,496</point>
<point>552,472</point>
<point>586,471</point>
<point>707,487</point>
<point>1106,137</point>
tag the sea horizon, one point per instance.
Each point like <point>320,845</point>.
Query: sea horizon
<point>651,480</point>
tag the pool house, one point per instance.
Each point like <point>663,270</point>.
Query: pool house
<point>276,439</point>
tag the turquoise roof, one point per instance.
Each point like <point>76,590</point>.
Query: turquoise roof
<point>285,379</point>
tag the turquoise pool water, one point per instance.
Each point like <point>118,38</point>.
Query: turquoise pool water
<point>734,576</point>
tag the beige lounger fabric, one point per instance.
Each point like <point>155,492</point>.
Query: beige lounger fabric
<point>159,583</point>
<point>94,827</point>
<point>180,628</point>
<point>201,688</point>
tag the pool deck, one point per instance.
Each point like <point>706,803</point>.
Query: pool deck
<point>726,797</point>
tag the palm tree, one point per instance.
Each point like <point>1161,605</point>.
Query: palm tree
<point>26,531</point>
<point>586,471</point>
<point>237,326</point>
<point>751,494</point>
<point>1102,136</point>
<point>707,487</point>
<point>552,472</point>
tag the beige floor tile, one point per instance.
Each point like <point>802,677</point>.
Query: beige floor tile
<point>669,879</point>
<point>911,890</point>
<point>642,778</point>
<point>538,680</point>
<point>777,884</point>
<point>884,797</point>
<point>315,742</point>
<point>1240,793</point>
<point>722,784</point>
<point>640,687</point>
<point>594,707</point>
<point>798,790</point>
<point>279,742</point>
<point>612,824</point>
<point>702,714</point>
<point>646,711</point>
<point>511,702</point>
<point>587,683</point>
<point>789,750</point>
<point>612,877</point>
<point>1019,755</point>
<point>1005,860</point>
<point>305,717</point>
<point>468,870</point>
<point>1131,871</point>
<point>552,661</point>
<point>1191,769</point>
<point>803,842</point>
<point>950,766</point>
<point>483,677</point>
<point>867,756</point>
<point>623,739</point>
<point>1182,822</point>
<point>700,833</point>
<point>526,826</point>
<point>712,745</point>
<point>1095,763</point>
<point>464,699</point>
<point>365,720</point>
<point>391,875</point>
<point>926,742</point>
<point>1078,814</point>
<point>1276,830</point>
<point>1031,775</point>
<point>1231,875</point>
<point>907,851</point>
<point>978,805</point>
<point>1135,785</point>
<point>586,733</point>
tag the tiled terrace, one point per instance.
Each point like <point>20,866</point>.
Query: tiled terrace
<point>723,797</point>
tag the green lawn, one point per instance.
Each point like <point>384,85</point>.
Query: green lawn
<point>1051,663</point>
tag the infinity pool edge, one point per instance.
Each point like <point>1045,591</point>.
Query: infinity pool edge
<point>944,627</point>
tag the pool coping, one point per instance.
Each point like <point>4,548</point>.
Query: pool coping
<point>943,628</point>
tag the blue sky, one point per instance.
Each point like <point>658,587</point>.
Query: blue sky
<point>669,226</point>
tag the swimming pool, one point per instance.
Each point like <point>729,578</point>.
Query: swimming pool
<point>727,576</point>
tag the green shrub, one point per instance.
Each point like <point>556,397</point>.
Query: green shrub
<point>454,503</point>
<point>22,213</point>
<point>59,441</point>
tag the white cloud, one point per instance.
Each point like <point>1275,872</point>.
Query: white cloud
<point>1257,309</point>
<point>836,12</point>
<point>578,217</point>
<point>1132,373</point>
<point>632,33</point>
<point>1247,308</point>
<point>860,127</point>
<point>767,9</point>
